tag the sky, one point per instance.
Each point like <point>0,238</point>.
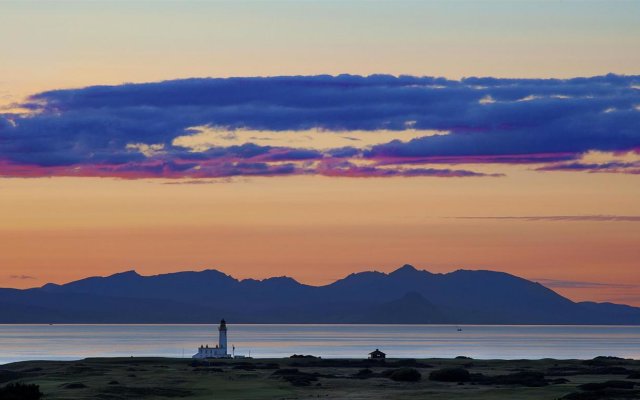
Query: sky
<point>314,139</point>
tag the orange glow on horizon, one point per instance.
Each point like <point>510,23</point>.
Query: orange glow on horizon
<point>319,229</point>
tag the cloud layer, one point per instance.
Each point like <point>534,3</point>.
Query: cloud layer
<point>351,126</point>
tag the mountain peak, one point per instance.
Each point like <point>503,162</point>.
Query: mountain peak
<point>131,273</point>
<point>273,280</point>
<point>405,269</point>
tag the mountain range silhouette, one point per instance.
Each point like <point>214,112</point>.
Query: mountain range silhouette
<point>404,296</point>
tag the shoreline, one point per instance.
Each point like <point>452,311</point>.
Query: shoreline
<point>304,324</point>
<point>311,357</point>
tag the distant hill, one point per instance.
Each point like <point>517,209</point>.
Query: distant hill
<point>406,295</point>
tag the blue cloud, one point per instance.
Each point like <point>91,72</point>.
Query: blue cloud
<point>488,119</point>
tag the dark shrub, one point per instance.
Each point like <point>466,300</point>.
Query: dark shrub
<point>603,361</point>
<point>610,371</point>
<point>300,380</point>
<point>566,371</point>
<point>304,356</point>
<point>450,375</point>
<point>6,375</point>
<point>244,367</point>
<point>287,371</point>
<point>525,378</point>
<point>634,375</point>
<point>137,392</point>
<point>74,385</point>
<point>267,366</point>
<point>338,363</point>
<point>463,358</point>
<point>405,375</point>
<point>20,391</point>
<point>212,369</point>
<point>607,385</point>
<point>387,373</point>
<point>295,376</point>
<point>607,394</point>
<point>35,369</point>
<point>364,374</point>
<point>407,362</point>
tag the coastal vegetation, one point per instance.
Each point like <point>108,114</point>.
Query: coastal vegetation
<point>305,377</point>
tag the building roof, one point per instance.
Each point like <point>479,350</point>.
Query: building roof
<point>376,351</point>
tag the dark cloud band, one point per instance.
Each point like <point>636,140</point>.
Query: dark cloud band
<point>128,130</point>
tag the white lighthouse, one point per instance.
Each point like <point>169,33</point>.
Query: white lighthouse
<point>222,335</point>
<point>220,350</point>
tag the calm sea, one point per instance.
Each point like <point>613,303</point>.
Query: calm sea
<point>65,342</point>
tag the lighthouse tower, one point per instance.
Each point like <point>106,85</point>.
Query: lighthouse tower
<point>222,340</point>
<point>219,351</point>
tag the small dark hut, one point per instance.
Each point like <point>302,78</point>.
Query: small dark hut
<point>377,355</point>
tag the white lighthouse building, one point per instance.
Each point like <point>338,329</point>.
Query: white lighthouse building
<point>220,350</point>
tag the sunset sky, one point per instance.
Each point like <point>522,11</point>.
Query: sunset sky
<point>315,139</point>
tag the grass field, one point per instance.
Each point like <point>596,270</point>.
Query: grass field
<point>304,378</point>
